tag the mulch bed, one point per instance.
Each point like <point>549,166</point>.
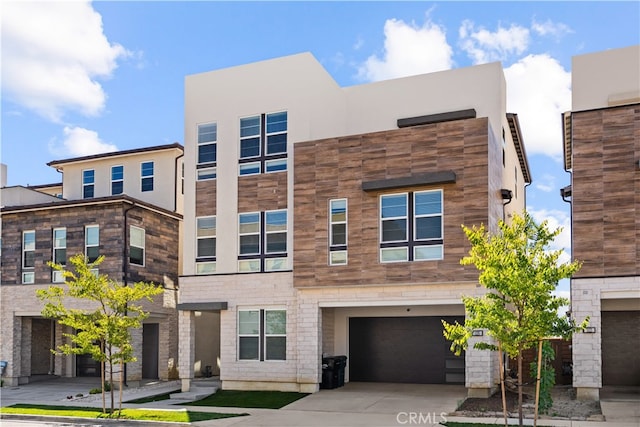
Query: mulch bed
<point>491,404</point>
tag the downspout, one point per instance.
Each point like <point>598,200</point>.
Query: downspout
<point>175,182</point>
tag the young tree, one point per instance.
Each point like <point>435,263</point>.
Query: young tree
<point>519,309</point>
<point>103,331</point>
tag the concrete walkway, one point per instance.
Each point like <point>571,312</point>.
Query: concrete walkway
<point>355,404</point>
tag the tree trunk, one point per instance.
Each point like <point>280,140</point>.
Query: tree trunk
<point>102,373</point>
<point>520,387</point>
<point>504,397</point>
<point>111,380</point>
<point>535,415</point>
<point>120,395</point>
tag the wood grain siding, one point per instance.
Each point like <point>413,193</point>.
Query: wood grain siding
<point>335,168</point>
<point>606,191</point>
<point>206,198</point>
<point>161,240</point>
<point>262,192</point>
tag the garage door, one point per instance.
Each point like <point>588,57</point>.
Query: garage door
<point>402,350</point>
<point>620,358</point>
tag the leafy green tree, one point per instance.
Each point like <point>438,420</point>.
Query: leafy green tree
<point>519,309</point>
<point>102,331</point>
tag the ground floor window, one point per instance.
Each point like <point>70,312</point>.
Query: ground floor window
<point>262,334</point>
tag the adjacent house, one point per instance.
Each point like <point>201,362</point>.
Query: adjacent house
<point>323,220</point>
<point>602,153</point>
<point>125,205</point>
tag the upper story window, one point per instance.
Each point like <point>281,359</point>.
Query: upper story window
<point>88,183</point>
<point>59,255</point>
<point>28,256</point>
<point>207,138</point>
<point>117,180</point>
<point>262,241</point>
<point>146,174</point>
<point>263,143</point>
<point>92,242</point>
<point>136,245</point>
<point>411,226</point>
<point>338,232</point>
<point>206,245</point>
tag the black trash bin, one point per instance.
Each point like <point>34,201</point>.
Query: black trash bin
<point>333,372</point>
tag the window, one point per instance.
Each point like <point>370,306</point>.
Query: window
<point>88,183</point>
<point>411,226</point>
<point>146,173</point>
<point>262,241</point>
<point>28,256</point>
<point>338,232</point>
<point>207,137</point>
<point>262,335</point>
<point>263,144</point>
<point>206,245</point>
<point>136,245</point>
<point>117,180</point>
<point>206,173</point>
<point>92,242</point>
<point>59,255</point>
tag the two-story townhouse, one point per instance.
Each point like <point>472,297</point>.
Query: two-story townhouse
<point>123,205</point>
<point>322,220</point>
<point>602,153</point>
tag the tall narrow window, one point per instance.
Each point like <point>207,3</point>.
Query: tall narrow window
<point>92,242</point>
<point>88,183</point>
<point>117,180</point>
<point>59,255</point>
<point>262,241</point>
<point>136,245</point>
<point>338,232</point>
<point>262,335</point>
<point>207,138</point>
<point>146,174</point>
<point>263,143</point>
<point>28,256</point>
<point>206,245</point>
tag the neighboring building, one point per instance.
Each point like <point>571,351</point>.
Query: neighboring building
<point>322,220</point>
<point>602,152</point>
<point>124,205</point>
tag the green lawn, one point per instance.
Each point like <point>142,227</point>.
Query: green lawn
<point>182,416</point>
<point>454,424</point>
<point>250,399</point>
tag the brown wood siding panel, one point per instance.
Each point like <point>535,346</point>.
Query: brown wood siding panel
<point>161,234</point>
<point>606,196</point>
<point>206,198</point>
<point>335,168</point>
<point>263,192</point>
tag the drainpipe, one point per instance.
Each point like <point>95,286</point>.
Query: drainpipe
<point>175,182</point>
<point>508,196</point>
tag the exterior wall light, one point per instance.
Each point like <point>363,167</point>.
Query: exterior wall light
<point>477,332</point>
<point>590,330</point>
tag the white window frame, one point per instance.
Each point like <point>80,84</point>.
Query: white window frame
<point>240,335</point>
<point>207,142</point>
<point>338,252</point>
<point>269,164</point>
<point>28,272</point>
<point>281,132</point>
<point>262,334</point>
<point>432,215</point>
<point>91,184</point>
<point>86,237</point>
<point>204,174</point>
<point>252,136</point>
<point>244,166</point>
<point>206,237</point>
<point>147,177</point>
<point>241,234</point>
<point>58,276</point>
<point>405,217</point>
<point>268,232</point>
<point>132,245</point>
<point>121,180</point>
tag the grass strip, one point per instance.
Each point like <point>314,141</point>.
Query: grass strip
<point>177,416</point>
<point>250,399</point>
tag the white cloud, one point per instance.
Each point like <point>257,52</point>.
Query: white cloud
<point>550,28</point>
<point>539,90</point>
<point>556,219</point>
<point>52,54</point>
<point>80,142</point>
<point>409,49</point>
<point>484,46</point>
<point>547,183</point>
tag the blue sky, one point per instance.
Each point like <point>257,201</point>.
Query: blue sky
<point>80,78</point>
